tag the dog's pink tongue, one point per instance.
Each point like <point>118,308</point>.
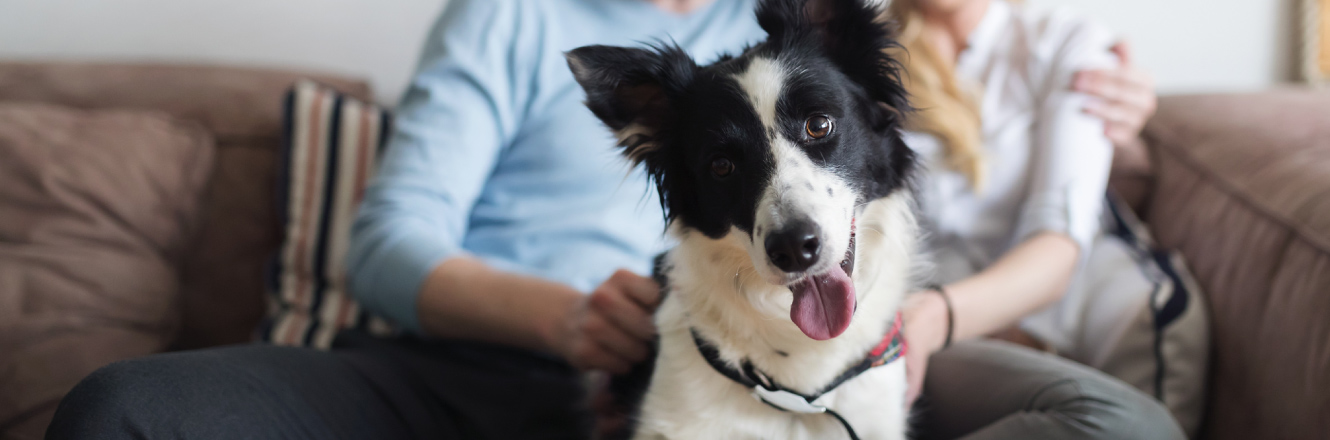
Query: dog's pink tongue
<point>823,305</point>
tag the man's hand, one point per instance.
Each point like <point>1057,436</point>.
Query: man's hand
<point>610,329</point>
<point>1126,96</point>
<point>925,329</point>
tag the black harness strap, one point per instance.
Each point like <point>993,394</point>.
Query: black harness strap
<point>774,395</point>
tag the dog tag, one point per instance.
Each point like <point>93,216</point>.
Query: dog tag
<point>786,400</point>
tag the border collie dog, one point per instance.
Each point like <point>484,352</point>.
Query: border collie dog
<point>784,179</point>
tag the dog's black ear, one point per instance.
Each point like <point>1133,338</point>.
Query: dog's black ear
<point>629,90</point>
<point>850,32</point>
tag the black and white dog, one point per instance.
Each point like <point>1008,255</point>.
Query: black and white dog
<point>783,177</point>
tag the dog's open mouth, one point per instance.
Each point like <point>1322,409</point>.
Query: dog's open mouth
<point>824,304</point>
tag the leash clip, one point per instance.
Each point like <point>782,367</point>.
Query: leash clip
<point>786,401</point>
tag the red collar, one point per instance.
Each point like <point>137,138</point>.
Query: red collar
<point>891,347</point>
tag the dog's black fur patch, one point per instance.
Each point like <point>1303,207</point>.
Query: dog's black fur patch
<point>685,115</point>
<point>679,116</point>
<point>628,390</point>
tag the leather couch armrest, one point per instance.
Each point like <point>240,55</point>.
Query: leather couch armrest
<point>1132,177</point>
<point>1242,188</point>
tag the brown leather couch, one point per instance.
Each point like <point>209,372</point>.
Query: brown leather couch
<point>1241,186</point>
<point>52,333</point>
<point>1239,183</point>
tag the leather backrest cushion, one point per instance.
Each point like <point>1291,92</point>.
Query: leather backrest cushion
<point>230,102</point>
<point>1243,191</point>
<point>222,273</point>
<point>95,206</point>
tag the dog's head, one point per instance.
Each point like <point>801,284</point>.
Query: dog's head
<point>772,151</point>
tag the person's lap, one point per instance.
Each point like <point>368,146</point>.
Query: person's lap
<point>981,390</point>
<point>373,388</point>
<point>363,388</point>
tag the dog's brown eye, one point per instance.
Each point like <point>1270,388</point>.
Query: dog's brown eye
<point>721,167</point>
<point>818,126</point>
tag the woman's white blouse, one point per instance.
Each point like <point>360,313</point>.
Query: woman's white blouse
<point>1047,161</point>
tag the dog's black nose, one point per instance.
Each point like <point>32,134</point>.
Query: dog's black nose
<point>795,248</point>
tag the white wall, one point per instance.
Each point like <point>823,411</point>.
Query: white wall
<point>375,39</point>
<point>1190,45</point>
<point>1202,45</point>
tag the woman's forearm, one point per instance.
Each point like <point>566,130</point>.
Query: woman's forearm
<point>464,298</point>
<point>1027,278</point>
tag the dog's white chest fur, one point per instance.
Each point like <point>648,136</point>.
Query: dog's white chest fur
<point>779,169</point>
<point>715,291</point>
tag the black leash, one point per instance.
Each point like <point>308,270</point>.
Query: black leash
<point>765,389</point>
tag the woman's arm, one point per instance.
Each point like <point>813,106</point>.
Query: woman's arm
<point>1058,220</point>
<point>1027,278</point>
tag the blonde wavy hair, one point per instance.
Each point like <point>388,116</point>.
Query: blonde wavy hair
<point>945,108</point>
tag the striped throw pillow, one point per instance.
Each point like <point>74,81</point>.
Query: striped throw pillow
<point>331,149</point>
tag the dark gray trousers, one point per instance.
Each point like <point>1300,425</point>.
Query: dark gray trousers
<point>988,390</point>
<point>370,388</point>
<point>364,388</point>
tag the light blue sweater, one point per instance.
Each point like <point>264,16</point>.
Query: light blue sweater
<point>493,153</point>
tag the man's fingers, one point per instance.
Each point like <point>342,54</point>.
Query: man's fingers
<point>1117,120</point>
<point>1112,114</point>
<point>1133,111</point>
<point>1124,83</point>
<point>1119,125</point>
<point>623,348</point>
<point>623,312</point>
<point>1137,89</point>
<point>1105,84</point>
<point>641,289</point>
<point>592,356</point>
<point>1095,83</point>
<point>1125,95</point>
<point>1123,50</point>
<point>1132,86</point>
<point>1119,134</point>
<point>1129,100</point>
<point>612,338</point>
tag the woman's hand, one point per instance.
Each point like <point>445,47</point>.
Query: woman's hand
<point>925,327</point>
<point>1126,96</point>
<point>610,329</point>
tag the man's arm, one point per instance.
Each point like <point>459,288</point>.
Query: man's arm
<point>457,115</point>
<point>406,260</point>
<point>610,329</point>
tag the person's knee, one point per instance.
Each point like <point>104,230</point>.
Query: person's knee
<point>110,400</point>
<point>1106,409</point>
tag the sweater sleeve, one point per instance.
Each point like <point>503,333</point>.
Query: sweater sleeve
<point>456,116</point>
<point>1072,156</point>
